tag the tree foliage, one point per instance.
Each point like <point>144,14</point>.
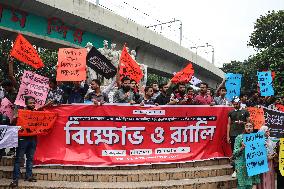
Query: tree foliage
<point>48,56</point>
<point>268,40</point>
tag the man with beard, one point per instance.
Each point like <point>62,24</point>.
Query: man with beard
<point>124,94</point>
<point>26,145</point>
<point>97,96</point>
<point>148,96</point>
<point>203,98</point>
<point>156,90</point>
<point>180,96</point>
<point>134,88</point>
<point>163,98</point>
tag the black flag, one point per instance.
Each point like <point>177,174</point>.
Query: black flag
<point>275,121</point>
<point>100,64</point>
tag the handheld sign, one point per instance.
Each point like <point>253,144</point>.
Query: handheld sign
<point>185,75</point>
<point>256,116</point>
<point>33,85</point>
<point>128,67</point>
<point>281,156</point>
<point>233,85</point>
<point>71,64</point>
<point>35,122</point>
<point>25,52</point>
<point>265,83</point>
<point>275,121</point>
<point>100,64</point>
<point>255,153</point>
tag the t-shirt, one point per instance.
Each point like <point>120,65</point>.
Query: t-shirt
<point>102,97</point>
<point>236,115</point>
<point>161,99</point>
<point>203,100</point>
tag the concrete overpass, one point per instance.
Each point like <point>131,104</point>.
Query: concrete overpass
<point>162,55</point>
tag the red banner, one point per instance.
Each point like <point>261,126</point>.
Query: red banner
<point>112,135</point>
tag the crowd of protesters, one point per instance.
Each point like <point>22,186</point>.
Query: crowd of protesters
<point>126,90</point>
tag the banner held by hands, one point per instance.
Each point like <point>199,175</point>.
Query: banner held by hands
<point>25,52</point>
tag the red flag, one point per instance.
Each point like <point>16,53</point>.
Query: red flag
<point>25,52</point>
<point>129,67</point>
<point>185,75</point>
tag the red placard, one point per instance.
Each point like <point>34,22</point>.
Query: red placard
<point>113,135</point>
<point>25,52</point>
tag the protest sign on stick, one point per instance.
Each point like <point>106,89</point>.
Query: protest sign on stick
<point>281,156</point>
<point>185,75</point>
<point>33,85</point>
<point>129,67</point>
<point>71,64</point>
<point>265,83</point>
<point>233,85</point>
<point>25,52</point>
<point>256,116</point>
<point>7,108</point>
<point>35,122</point>
<point>8,136</point>
<point>100,64</point>
<point>275,121</point>
<point>255,153</point>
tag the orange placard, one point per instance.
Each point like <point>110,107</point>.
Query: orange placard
<point>25,52</point>
<point>71,64</point>
<point>35,122</point>
<point>129,67</point>
<point>185,75</point>
<point>256,116</point>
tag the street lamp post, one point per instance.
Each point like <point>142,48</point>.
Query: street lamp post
<point>207,45</point>
<point>180,28</point>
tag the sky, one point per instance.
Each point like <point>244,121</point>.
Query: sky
<point>224,24</point>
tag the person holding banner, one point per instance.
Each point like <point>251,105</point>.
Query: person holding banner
<point>268,178</point>
<point>26,145</point>
<point>124,94</point>
<point>97,96</point>
<point>4,120</point>
<point>203,98</point>
<point>244,181</point>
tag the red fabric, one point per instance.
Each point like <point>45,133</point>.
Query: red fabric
<point>203,100</point>
<point>25,52</point>
<point>184,76</point>
<point>128,67</point>
<point>52,148</point>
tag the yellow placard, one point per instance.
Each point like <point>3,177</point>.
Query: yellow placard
<point>281,157</point>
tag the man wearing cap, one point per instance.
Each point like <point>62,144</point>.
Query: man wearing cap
<point>236,122</point>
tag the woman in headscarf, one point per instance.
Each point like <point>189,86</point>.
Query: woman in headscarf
<point>268,178</point>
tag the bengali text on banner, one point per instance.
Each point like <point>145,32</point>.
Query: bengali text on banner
<point>113,135</point>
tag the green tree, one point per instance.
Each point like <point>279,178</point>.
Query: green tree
<point>48,56</point>
<point>268,40</point>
